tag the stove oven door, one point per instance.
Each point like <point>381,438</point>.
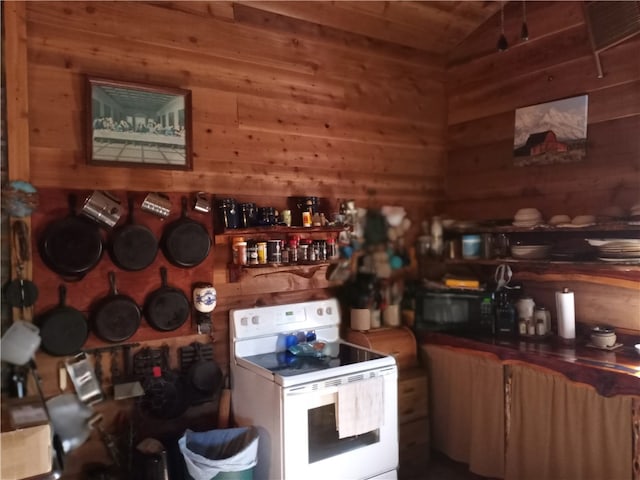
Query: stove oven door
<point>312,445</point>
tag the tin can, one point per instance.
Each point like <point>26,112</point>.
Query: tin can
<point>252,252</point>
<point>274,253</point>
<point>262,253</point>
<point>306,219</point>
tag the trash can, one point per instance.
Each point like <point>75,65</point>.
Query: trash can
<point>223,454</point>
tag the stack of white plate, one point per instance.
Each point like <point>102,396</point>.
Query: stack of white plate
<point>527,217</point>
<point>617,249</point>
<point>530,252</point>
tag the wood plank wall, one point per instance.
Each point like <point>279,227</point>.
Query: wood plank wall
<point>281,107</point>
<point>484,87</point>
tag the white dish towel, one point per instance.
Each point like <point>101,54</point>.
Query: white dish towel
<point>360,407</point>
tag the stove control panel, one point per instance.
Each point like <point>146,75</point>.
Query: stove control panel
<point>260,321</point>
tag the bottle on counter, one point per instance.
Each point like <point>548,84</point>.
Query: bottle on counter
<point>437,243</point>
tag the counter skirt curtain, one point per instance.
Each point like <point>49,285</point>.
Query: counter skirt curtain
<point>565,431</point>
<point>467,407</point>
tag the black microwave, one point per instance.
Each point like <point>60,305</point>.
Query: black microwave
<point>453,310</point>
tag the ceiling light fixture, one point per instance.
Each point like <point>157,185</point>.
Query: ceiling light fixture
<point>524,31</point>
<point>502,41</point>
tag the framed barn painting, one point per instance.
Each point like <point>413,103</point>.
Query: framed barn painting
<point>137,125</point>
<point>552,132</point>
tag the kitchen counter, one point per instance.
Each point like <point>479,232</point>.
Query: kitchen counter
<point>609,372</point>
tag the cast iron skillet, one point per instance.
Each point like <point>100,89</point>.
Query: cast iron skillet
<point>133,246</point>
<point>116,317</point>
<point>185,242</point>
<point>166,308</point>
<point>204,375</point>
<point>71,246</point>
<point>63,329</point>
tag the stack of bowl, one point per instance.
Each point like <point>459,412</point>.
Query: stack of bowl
<point>527,217</point>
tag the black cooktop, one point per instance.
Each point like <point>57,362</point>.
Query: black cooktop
<point>287,364</point>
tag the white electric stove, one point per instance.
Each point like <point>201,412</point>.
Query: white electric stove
<point>329,417</point>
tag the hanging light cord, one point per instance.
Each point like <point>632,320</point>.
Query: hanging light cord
<point>502,40</point>
<point>524,32</point>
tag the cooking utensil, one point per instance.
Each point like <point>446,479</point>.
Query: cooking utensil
<point>224,406</point>
<point>69,418</point>
<point>185,242</point>
<point>165,392</point>
<point>107,438</point>
<point>157,204</point>
<point>503,276</point>
<point>84,379</point>
<point>204,374</point>
<point>129,386</point>
<point>21,293</point>
<point>71,246</point>
<point>166,308</point>
<point>117,316</point>
<point>102,207</point>
<point>133,247</point>
<point>63,329</point>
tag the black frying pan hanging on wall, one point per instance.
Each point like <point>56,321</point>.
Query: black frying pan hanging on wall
<point>71,246</point>
<point>185,242</point>
<point>133,246</point>
<point>166,308</point>
<point>117,316</point>
<point>63,329</point>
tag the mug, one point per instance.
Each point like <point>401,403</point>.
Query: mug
<point>205,298</point>
<point>158,204</point>
<point>201,203</point>
<point>102,207</point>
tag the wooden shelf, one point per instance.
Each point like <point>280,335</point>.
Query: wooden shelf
<point>236,272</point>
<point>274,231</point>
<point>599,227</point>
<point>549,264</point>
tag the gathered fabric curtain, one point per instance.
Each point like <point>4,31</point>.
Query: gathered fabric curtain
<point>563,430</point>
<point>467,407</point>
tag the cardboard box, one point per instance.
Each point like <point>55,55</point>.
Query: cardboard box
<point>25,452</point>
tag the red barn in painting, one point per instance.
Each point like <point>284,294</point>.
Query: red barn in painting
<point>543,142</point>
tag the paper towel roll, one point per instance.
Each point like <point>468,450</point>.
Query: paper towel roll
<point>566,314</point>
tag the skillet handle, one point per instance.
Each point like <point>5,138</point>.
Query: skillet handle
<point>163,276</point>
<point>62,295</point>
<point>112,283</point>
<point>184,203</point>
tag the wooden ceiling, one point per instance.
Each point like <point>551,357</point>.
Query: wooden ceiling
<point>432,26</point>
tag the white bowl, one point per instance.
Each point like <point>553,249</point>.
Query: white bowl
<point>637,347</point>
<point>527,214</point>
<point>559,219</point>
<point>583,220</point>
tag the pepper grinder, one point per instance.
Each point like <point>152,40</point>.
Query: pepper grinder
<point>205,299</point>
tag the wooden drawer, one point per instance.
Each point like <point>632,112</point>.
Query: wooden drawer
<point>413,402</point>
<point>398,341</point>
<point>414,444</point>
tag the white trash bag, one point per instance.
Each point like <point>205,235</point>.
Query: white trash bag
<point>206,454</point>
